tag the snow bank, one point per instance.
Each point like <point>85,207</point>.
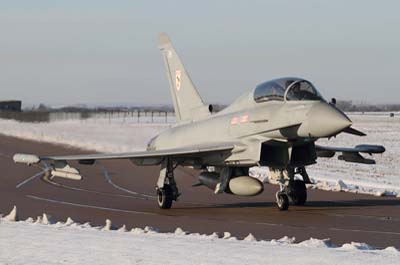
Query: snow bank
<point>27,242</point>
<point>108,225</point>
<point>12,216</point>
<point>104,135</point>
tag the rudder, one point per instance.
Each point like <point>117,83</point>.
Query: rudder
<point>188,104</point>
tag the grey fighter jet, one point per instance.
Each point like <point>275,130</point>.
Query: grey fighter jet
<point>276,125</point>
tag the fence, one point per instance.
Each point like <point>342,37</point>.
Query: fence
<point>111,116</point>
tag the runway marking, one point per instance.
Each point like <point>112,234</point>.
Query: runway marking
<point>90,206</point>
<point>136,195</point>
<point>31,178</point>
<point>314,227</point>
<point>51,182</point>
<point>109,180</point>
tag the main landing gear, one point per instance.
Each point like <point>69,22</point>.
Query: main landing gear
<point>165,196</point>
<point>292,188</point>
<point>167,191</point>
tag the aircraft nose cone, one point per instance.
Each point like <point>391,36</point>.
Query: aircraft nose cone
<point>325,120</point>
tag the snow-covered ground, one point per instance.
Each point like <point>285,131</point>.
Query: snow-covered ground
<point>123,135</point>
<point>44,241</point>
<point>102,135</point>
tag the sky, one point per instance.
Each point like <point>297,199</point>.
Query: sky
<point>105,52</point>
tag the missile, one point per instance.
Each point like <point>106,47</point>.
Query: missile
<point>209,179</point>
<point>355,158</point>
<point>26,159</point>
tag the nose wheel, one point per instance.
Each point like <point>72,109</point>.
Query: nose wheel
<point>282,201</point>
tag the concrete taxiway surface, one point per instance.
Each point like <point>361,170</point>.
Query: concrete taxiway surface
<point>125,193</point>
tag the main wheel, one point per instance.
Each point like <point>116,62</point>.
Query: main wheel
<point>165,197</point>
<point>298,192</point>
<point>282,201</point>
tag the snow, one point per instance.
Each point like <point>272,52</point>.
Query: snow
<point>12,216</point>
<point>124,135</point>
<point>28,242</point>
<point>46,219</point>
<point>250,238</point>
<point>108,225</point>
<point>179,231</point>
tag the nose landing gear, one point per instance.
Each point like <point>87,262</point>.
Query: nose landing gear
<point>282,201</point>
<point>292,188</point>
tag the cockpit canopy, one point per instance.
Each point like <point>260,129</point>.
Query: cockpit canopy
<point>291,88</point>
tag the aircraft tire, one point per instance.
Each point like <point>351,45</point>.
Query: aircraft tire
<point>298,192</point>
<point>282,201</point>
<point>165,197</point>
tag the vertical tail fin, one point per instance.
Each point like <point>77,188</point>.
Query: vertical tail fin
<point>188,104</point>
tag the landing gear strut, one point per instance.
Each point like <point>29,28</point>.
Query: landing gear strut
<point>292,188</point>
<point>167,191</point>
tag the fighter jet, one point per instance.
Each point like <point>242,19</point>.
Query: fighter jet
<point>275,125</point>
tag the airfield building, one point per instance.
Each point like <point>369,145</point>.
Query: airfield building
<point>10,105</point>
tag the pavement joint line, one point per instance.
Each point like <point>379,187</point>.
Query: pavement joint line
<point>89,206</point>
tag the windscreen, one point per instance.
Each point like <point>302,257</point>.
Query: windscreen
<point>270,90</point>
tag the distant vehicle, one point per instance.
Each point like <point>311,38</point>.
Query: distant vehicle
<point>274,125</point>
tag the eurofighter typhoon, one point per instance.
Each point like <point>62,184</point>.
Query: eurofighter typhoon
<point>276,125</point>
